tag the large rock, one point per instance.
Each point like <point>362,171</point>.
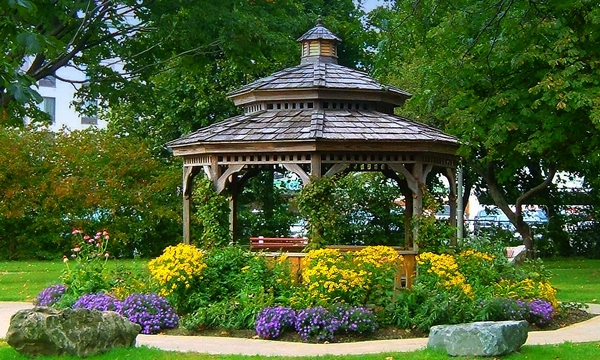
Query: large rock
<point>79,332</point>
<point>487,338</point>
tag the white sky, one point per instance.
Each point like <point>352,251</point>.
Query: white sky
<point>371,4</point>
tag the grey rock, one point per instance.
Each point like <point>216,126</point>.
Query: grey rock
<point>486,338</point>
<point>79,332</point>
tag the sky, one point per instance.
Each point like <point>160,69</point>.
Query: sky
<point>371,4</point>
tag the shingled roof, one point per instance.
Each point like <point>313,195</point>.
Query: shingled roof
<point>319,76</point>
<point>319,32</point>
<point>309,125</point>
<point>298,104</point>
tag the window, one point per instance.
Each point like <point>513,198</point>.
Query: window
<point>91,118</point>
<point>48,105</point>
<point>48,81</point>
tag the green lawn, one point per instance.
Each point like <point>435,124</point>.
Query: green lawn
<point>23,280</point>
<point>577,280</point>
<point>588,351</point>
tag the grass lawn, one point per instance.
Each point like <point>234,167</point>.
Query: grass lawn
<point>562,351</point>
<point>577,280</point>
<point>23,280</point>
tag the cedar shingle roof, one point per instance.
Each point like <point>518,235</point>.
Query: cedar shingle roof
<point>319,32</point>
<point>306,125</point>
<point>318,75</point>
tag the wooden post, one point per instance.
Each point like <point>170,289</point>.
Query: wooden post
<point>450,175</point>
<point>409,268</point>
<point>188,179</point>
<point>315,165</point>
<point>233,197</point>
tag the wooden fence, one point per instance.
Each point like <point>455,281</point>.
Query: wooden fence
<point>404,275</point>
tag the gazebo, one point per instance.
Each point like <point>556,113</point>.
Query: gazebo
<point>318,119</point>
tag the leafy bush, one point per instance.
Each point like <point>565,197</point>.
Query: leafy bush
<point>366,276</point>
<point>178,271</point>
<point>88,275</point>
<point>56,181</point>
<point>526,289</point>
<point>152,312</point>
<point>212,215</point>
<point>238,312</point>
<point>50,295</point>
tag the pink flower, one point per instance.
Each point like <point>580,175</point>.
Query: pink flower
<point>106,254</point>
<point>76,231</point>
<point>86,237</point>
<point>73,255</point>
<point>65,259</point>
<point>77,248</point>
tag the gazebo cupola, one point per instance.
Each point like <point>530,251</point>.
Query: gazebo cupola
<point>319,45</point>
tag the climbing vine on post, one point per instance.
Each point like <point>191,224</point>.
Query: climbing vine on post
<point>212,213</point>
<point>317,204</point>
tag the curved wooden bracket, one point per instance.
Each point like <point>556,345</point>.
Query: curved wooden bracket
<point>336,168</point>
<point>296,169</point>
<point>222,180</point>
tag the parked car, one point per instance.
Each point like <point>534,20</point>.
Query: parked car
<point>443,213</point>
<point>493,217</point>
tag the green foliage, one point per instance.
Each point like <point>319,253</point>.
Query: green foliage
<point>212,214</point>
<point>236,313</point>
<point>52,183</point>
<point>468,286</point>
<point>177,272</point>
<point>356,209</point>
<point>514,81</point>
<point>264,210</point>
<point>317,204</point>
<point>364,277</point>
<point>88,274</point>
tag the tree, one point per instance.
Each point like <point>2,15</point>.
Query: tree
<point>51,183</point>
<point>516,81</point>
<point>121,45</point>
<point>190,92</point>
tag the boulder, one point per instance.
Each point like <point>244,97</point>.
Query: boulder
<point>486,338</point>
<point>78,332</point>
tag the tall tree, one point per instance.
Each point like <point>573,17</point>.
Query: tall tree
<point>516,81</point>
<point>121,45</point>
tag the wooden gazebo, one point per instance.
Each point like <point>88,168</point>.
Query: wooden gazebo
<point>318,119</point>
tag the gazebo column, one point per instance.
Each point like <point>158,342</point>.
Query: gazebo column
<point>451,176</point>
<point>188,179</point>
<point>315,166</point>
<point>416,183</point>
<point>233,200</point>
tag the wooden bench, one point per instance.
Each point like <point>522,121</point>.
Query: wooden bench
<point>277,244</point>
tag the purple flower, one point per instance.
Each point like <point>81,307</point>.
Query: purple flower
<point>152,312</point>
<point>540,312</point>
<point>102,302</point>
<point>272,321</point>
<point>354,318</point>
<point>50,295</point>
<point>316,322</point>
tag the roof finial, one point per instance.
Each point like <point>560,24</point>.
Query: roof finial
<point>319,22</point>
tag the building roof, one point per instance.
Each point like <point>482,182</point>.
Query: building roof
<point>319,32</point>
<point>319,75</point>
<point>312,125</point>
